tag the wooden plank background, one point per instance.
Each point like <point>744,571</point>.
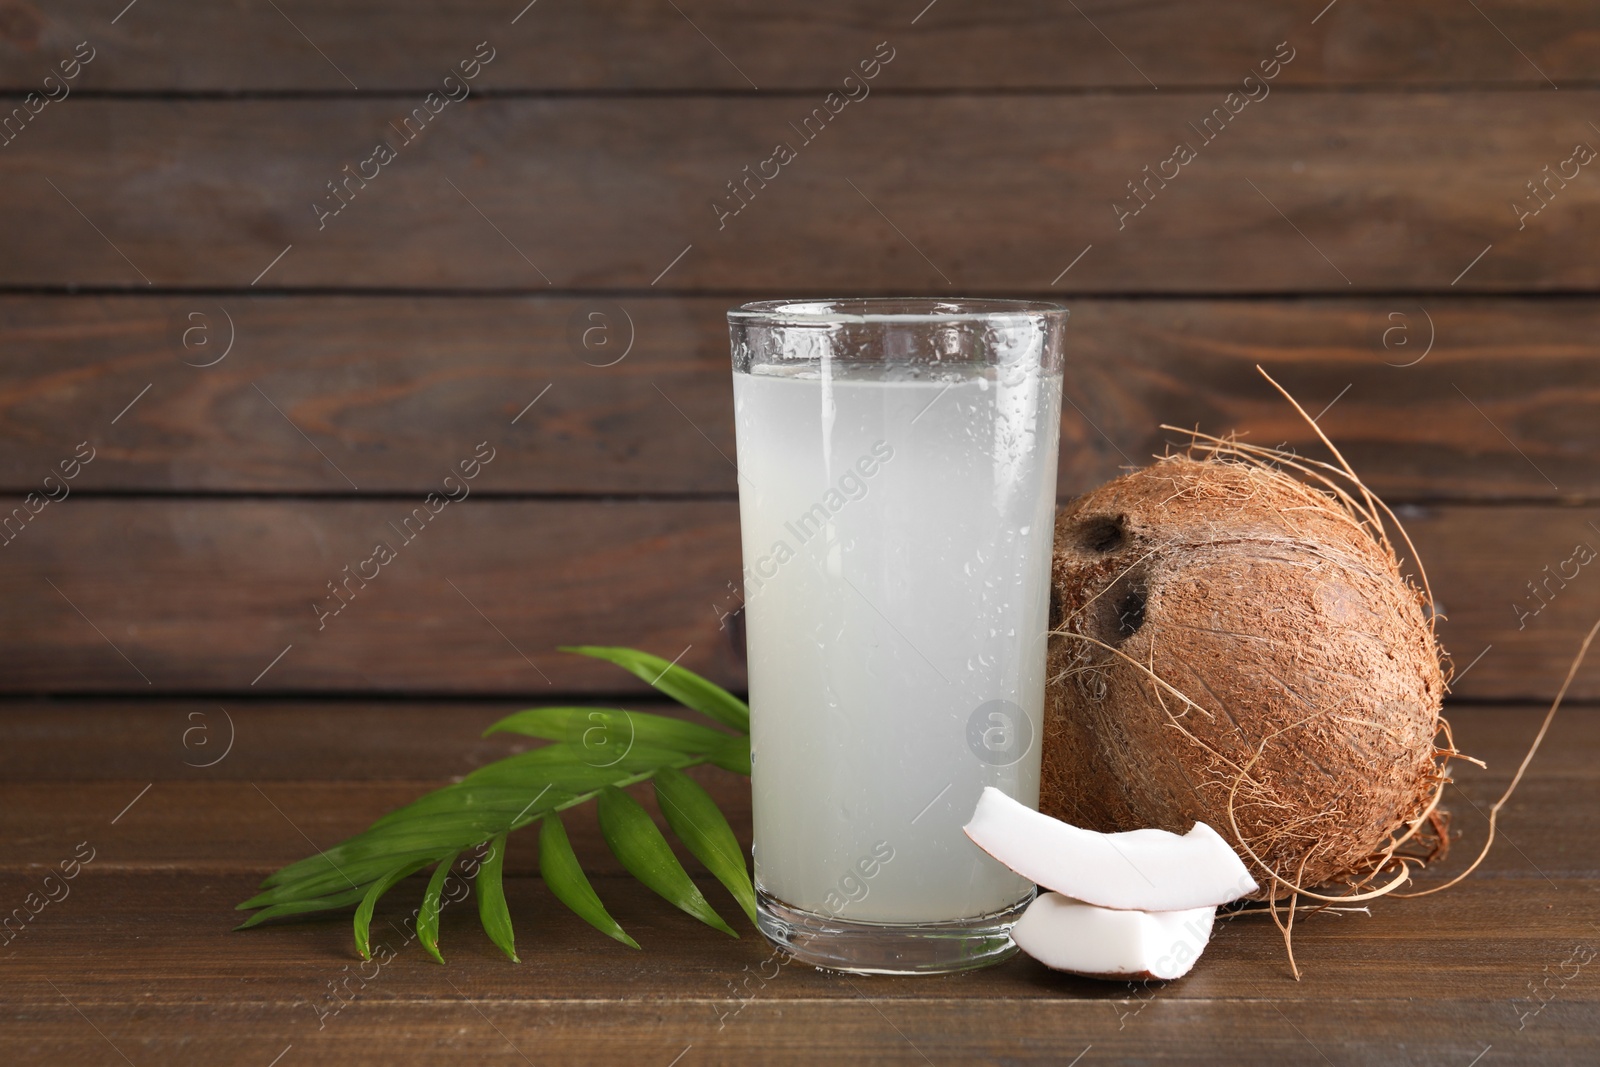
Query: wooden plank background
<point>1389,193</point>
<point>265,392</point>
<point>617,45</point>
<point>204,594</point>
<point>393,388</point>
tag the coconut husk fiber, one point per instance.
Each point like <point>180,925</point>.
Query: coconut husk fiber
<point>1235,646</point>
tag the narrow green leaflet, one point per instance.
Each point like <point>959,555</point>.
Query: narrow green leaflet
<point>679,683</point>
<point>700,825</point>
<point>302,907</point>
<point>605,734</point>
<point>365,870</point>
<point>734,755</point>
<point>633,837</point>
<point>513,803</point>
<point>337,879</point>
<point>559,867</point>
<point>570,768</point>
<point>428,913</point>
<point>363,920</point>
<point>492,911</point>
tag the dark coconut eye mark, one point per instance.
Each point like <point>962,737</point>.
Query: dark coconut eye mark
<point>1130,613</point>
<point>1102,534</point>
<point>1119,612</point>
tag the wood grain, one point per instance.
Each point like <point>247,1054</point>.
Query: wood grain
<point>272,740</point>
<point>486,1021</point>
<point>684,966</point>
<point>141,945</point>
<point>615,45</point>
<point>204,594</point>
<point>1496,403</point>
<point>371,739</point>
<point>1389,193</point>
<point>226,825</point>
<point>209,593</point>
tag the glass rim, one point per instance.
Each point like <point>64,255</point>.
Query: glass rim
<point>827,311</point>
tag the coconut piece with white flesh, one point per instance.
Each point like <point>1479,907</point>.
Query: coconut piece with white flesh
<point>1068,935</point>
<point>1136,870</point>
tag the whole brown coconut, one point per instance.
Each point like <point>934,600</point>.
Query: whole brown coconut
<point>1299,680</point>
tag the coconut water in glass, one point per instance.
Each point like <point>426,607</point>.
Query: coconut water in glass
<point>897,472</point>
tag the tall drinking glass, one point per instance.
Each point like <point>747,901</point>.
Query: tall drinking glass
<point>897,472</point>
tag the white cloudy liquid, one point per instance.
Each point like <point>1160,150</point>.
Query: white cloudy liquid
<point>897,538</point>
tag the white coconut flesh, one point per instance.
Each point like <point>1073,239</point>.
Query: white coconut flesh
<point>1069,935</point>
<point>1138,870</point>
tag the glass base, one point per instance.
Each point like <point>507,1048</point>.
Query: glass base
<point>889,948</point>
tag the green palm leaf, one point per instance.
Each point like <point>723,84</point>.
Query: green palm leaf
<point>734,755</point>
<point>605,734</point>
<point>363,920</point>
<point>679,683</point>
<point>634,839</point>
<point>302,907</point>
<point>492,910</point>
<point>594,754</point>
<point>700,825</point>
<point>337,880</point>
<point>559,867</point>
<point>428,914</point>
<point>569,768</point>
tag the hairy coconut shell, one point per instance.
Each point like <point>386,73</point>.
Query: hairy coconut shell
<point>1314,676</point>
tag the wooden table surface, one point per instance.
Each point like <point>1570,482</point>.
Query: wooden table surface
<point>267,387</point>
<point>138,959</point>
